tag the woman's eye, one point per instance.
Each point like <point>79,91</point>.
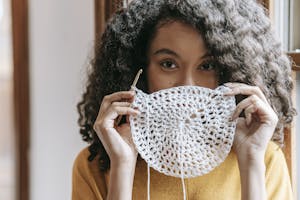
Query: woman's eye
<point>168,64</point>
<point>207,67</point>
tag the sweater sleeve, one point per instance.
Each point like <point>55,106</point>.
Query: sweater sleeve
<point>277,175</point>
<point>87,181</point>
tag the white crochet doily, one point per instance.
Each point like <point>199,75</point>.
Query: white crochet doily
<point>183,131</point>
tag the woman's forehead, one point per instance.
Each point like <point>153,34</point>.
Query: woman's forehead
<point>178,37</point>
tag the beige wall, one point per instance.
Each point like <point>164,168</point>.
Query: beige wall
<point>296,25</point>
<point>7,145</point>
<point>61,37</point>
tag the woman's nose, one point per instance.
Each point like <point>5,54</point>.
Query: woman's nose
<point>186,78</point>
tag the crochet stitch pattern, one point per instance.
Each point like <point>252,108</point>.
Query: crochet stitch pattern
<point>183,131</point>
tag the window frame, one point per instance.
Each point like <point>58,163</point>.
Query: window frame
<point>20,52</point>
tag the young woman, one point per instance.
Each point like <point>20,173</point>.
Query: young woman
<point>194,42</point>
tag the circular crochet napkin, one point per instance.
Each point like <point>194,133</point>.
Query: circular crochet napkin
<point>183,131</point>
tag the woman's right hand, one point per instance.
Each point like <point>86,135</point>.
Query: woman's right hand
<point>117,140</point>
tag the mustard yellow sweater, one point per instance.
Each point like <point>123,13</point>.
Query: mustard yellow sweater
<point>222,183</point>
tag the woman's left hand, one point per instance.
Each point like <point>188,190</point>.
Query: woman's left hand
<point>255,130</point>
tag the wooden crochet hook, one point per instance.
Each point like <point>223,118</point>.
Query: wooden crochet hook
<point>137,76</point>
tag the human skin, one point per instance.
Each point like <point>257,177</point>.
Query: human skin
<point>177,56</point>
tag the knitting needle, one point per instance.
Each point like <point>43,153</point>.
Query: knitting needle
<point>137,76</point>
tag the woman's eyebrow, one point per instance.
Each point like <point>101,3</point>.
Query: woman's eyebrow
<point>206,55</point>
<point>173,53</point>
<point>166,51</point>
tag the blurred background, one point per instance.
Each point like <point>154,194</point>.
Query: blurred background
<point>60,39</point>
<point>45,47</point>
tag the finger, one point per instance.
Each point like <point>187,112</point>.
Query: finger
<point>107,120</point>
<point>252,100</point>
<point>248,113</point>
<point>114,111</point>
<point>121,104</point>
<point>117,96</point>
<point>239,137</point>
<point>241,88</point>
<point>124,104</point>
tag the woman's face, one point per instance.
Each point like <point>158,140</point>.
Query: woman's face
<point>178,56</point>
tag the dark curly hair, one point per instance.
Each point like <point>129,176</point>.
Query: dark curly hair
<point>237,33</point>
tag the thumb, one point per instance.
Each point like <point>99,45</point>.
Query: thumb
<point>240,132</point>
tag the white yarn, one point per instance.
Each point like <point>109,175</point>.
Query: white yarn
<point>183,131</point>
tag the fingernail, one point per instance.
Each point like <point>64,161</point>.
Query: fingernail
<point>228,84</point>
